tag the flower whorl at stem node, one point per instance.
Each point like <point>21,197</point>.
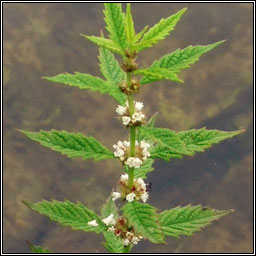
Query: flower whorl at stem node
<point>121,229</point>
<point>133,88</point>
<point>138,191</point>
<point>122,151</point>
<point>128,119</point>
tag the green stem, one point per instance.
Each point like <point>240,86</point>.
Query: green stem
<point>132,154</point>
<point>132,131</point>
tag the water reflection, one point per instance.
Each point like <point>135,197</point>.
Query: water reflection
<point>43,39</point>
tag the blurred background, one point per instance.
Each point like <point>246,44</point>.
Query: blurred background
<point>42,39</point>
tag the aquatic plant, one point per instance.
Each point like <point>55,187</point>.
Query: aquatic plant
<point>134,219</point>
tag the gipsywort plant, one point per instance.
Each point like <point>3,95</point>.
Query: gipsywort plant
<point>135,220</point>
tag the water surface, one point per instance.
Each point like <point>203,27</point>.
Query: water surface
<point>42,39</point>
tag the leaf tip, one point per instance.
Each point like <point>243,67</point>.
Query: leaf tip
<point>19,130</point>
<point>184,9</point>
<point>26,133</point>
<point>29,244</point>
<point>222,41</point>
<point>218,43</point>
<point>28,204</point>
<point>88,37</point>
<point>45,77</point>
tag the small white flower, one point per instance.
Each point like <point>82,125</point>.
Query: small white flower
<point>144,145</point>
<point>120,110</point>
<point>133,162</point>
<point>137,163</point>
<point>109,220</point>
<point>129,235</point>
<point>126,120</point>
<point>112,229</point>
<point>124,177</point>
<point>130,197</point>
<point>126,143</point>
<point>119,152</point>
<point>115,195</point>
<point>93,223</point>
<point>144,197</point>
<point>120,144</point>
<point>141,182</point>
<point>145,153</point>
<point>137,116</point>
<point>126,242</point>
<point>138,106</point>
<point>135,240</point>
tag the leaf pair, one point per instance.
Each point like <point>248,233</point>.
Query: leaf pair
<point>142,216</point>
<point>122,38</point>
<point>169,144</point>
<point>165,68</point>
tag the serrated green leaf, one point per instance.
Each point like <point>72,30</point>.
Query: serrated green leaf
<point>115,20</point>
<point>144,219</point>
<point>37,248</point>
<point>150,124</point>
<point>180,59</point>
<point>159,31</point>
<point>165,137</point>
<point>71,144</point>
<point>129,26</point>
<point>110,67</point>
<point>108,208</point>
<point>164,153</point>
<point>105,43</point>
<point>188,219</point>
<point>144,169</point>
<point>138,36</point>
<point>73,215</point>
<point>158,74</point>
<point>113,243</point>
<point>86,81</point>
<point>199,140</point>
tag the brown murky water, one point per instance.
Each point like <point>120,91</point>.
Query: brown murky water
<point>43,40</point>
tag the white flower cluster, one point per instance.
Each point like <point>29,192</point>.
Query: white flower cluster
<point>122,150</point>
<point>119,228</point>
<point>137,117</point>
<point>136,192</point>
